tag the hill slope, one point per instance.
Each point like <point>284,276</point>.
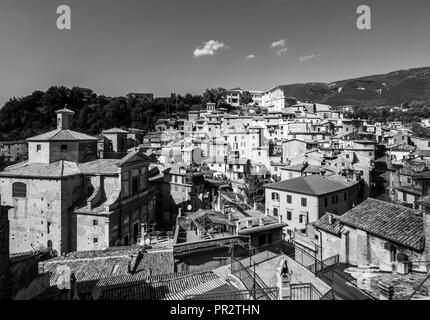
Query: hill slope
<point>377,90</point>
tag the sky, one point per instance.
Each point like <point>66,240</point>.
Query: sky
<point>162,46</point>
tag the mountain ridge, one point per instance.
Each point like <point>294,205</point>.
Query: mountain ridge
<point>393,88</point>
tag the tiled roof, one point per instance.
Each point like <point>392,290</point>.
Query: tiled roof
<point>114,130</point>
<point>87,269</point>
<point>323,224</point>
<point>62,135</point>
<point>388,221</point>
<point>137,154</point>
<point>258,229</point>
<point>57,169</point>
<point>174,286</point>
<point>109,267</point>
<point>310,185</point>
<point>100,166</point>
<point>65,110</point>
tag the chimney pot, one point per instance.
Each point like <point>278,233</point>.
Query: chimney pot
<point>330,218</point>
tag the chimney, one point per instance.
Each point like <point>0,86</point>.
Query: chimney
<point>142,233</point>
<point>261,222</point>
<point>255,206</point>
<point>330,218</point>
<point>386,290</point>
<point>249,223</point>
<point>64,118</point>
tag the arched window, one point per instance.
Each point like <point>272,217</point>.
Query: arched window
<point>19,190</point>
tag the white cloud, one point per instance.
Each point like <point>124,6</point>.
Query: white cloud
<point>209,48</point>
<point>280,46</point>
<point>280,51</point>
<point>250,56</point>
<point>280,43</point>
<point>308,58</point>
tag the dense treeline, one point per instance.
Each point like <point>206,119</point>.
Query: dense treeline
<point>34,114</point>
<point>406,113</point>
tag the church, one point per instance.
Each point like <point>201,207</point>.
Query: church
<point>66,198</point>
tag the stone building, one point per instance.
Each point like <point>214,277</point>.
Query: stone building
<point>63,189</point>
<point>304,200</point>
<point>118,201</point>
<point>387,235</point>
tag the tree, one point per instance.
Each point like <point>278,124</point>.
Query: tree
<point>217,96</point>
<point>246,98</point>
<point>254,189</point>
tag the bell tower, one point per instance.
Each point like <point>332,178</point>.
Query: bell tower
<point>64,118</point>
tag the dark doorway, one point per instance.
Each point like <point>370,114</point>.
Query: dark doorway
<point>135,232</point>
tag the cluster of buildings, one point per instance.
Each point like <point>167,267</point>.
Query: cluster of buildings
<point>173,213</point>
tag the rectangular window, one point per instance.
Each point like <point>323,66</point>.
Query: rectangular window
<point>334,199</point>
<point>275,196</point>
<point>96,240</point>
<point>134,185</point>
<point>289,198</point>
<point>304,202</point>
<point>325,202</point>
<point>405,197</point>
<point>289,214</point>
<point>344,196</point>
<point>63,147</point>
<point>38,147</point>
<point>275,212</point>
<point>95,222</point>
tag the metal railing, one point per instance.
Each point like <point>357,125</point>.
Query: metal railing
<point>236,295</point>
<point>252,282</point>
<point>422,282</point>
<point>320,266</point>
<point>306,291</point>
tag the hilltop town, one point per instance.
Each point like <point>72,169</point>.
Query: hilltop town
<point>263,197</point>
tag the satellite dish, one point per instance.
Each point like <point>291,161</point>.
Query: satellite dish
<point>96,292</point>
<point>148,241</point>
<point>189,207</point>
